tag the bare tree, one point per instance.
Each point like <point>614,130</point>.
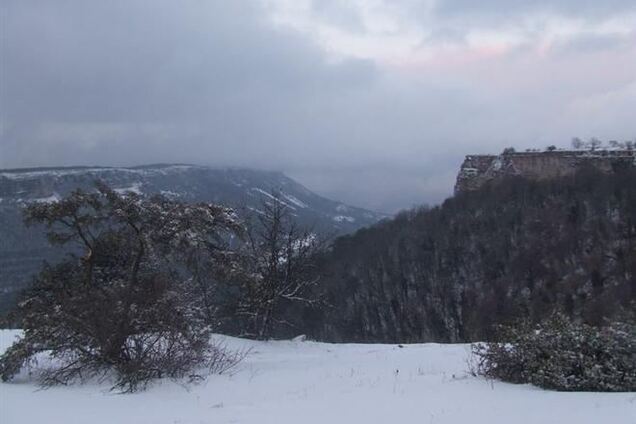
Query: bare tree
<point>281,259</point>
<point>594,143</point>
<point>577,143</point>
<point>615,144</point>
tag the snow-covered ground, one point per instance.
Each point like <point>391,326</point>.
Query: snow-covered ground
<point>305,382</point>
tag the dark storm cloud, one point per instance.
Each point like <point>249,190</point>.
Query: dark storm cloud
<point>123,82</point>
<point>126,61</point>
<point>216,82</point>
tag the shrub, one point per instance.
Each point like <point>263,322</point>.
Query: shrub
<point>560,354</point>
<point>131,305</point>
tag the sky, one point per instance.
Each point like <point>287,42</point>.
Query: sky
<point>371,102</point>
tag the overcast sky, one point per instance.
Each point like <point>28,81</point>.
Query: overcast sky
<point>373,102</point>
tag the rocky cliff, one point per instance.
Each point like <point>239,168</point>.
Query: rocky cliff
<point>479,169</point>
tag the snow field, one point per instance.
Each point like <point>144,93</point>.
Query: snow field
<point>285,382</point>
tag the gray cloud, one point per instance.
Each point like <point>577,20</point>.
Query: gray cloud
<point>495,9</point>
<point>453,20</point>
<point>125,61</point>
<point>130,82</point>
<point>338,13</point>
<point>593,43</point>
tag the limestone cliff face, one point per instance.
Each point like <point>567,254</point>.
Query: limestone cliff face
<point>479,169</point>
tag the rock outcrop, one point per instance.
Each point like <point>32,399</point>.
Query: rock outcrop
<point>480,169</point>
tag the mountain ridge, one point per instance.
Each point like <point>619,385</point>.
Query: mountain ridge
<point>23,250</point>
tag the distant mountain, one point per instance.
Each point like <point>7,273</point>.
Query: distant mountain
<point>22,250</point>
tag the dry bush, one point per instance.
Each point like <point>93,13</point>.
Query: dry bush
<point>560,354</point>
<point>131,305</point>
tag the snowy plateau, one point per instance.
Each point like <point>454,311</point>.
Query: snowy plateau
<point>307,382</point>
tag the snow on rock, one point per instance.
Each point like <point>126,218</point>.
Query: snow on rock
<point>342,218</point>
<point>49,199</point>
<point>294,200</point>
<point>20,175</point>
<point>54,197</point>
<point>62,172</point>
<point>170,194</point>
<point>283,382</point>
<point>134,188</point>
<point>279,200</point>
<point>497,164</point>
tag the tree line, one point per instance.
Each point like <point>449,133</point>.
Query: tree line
<point>515,248</point>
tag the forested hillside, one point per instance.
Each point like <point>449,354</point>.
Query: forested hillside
<point>514,248</point>
<point>23,250</point>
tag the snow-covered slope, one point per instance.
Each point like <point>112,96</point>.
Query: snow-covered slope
<point>22,250</point>
<point>305,382</point>
<point>231,186</point>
